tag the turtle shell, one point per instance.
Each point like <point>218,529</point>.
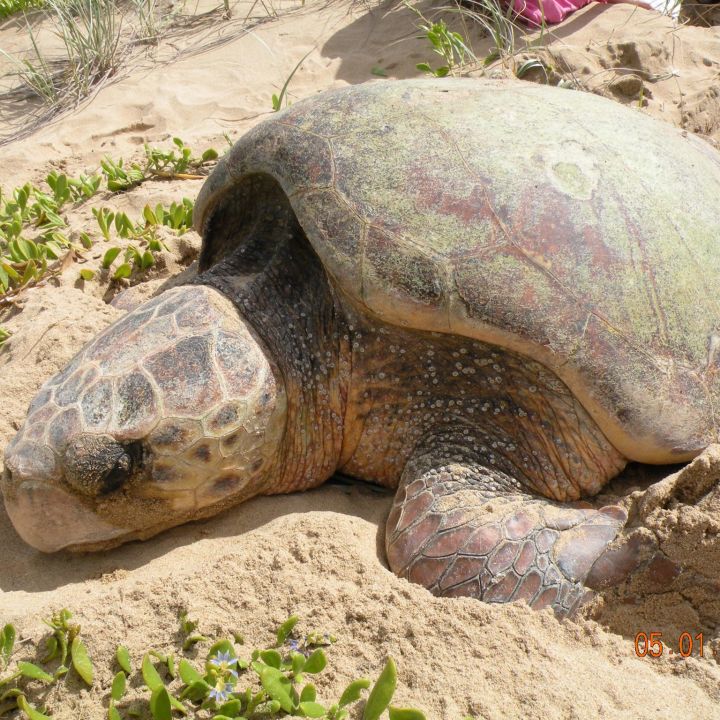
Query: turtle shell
<point>551,222</point>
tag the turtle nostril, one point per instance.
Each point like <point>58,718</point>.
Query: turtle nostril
<point>6,476</point>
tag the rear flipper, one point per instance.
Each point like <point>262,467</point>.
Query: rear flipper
<point>467,529</point>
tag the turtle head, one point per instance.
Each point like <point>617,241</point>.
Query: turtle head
<point>172,413</point>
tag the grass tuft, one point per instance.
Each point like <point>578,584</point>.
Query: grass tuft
<point>148,24</point>
<point>90,31</point>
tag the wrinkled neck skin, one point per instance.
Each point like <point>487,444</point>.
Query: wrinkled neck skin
<point>281,290</point>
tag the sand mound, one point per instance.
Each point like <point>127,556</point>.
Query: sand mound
<point>642,59</point>
<point>319,555</point>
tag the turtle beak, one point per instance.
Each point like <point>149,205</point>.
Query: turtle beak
<point>44,515</point>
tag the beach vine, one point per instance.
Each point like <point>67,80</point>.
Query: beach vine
<point>35,242</point>
<point>271,682</point>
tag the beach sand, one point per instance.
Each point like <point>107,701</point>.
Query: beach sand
<point>320,554</point>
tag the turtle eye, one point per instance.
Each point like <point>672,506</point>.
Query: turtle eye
<point>99,464</point>
<point>120,473</point>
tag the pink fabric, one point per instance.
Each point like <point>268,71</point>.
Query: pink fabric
<point>552,11</point>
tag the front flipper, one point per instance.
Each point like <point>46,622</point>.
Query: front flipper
<point>466,529</point>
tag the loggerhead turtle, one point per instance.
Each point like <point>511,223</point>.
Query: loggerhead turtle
<point>488,296</point>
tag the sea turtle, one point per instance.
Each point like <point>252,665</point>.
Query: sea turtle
<point>490,296</point>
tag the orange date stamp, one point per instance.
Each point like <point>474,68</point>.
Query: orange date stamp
<point>651,645</point>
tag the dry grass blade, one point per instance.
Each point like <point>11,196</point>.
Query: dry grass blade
<point>57,268</point>
<point>147,21</point>
<point>36,74</point>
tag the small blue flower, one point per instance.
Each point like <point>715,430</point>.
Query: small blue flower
<point>220,695</point>
<point>222,691</point>
<point>225,676</point>
<point>223,661</point>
